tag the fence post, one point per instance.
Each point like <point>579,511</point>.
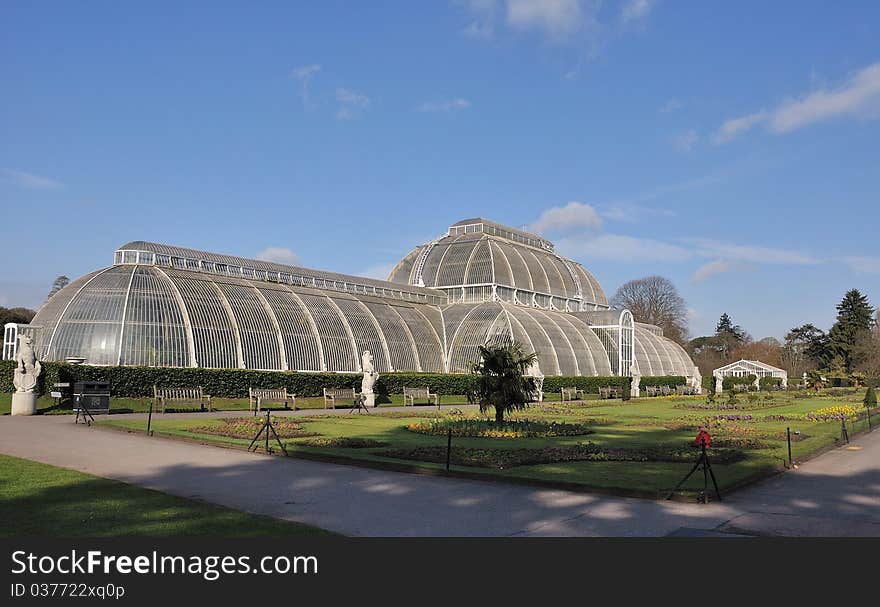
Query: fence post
<point>788,437</point>
<point>448,448</point>
<point>150,420</point>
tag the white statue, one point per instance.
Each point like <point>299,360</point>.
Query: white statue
<point>697,381</point>
<point>719,383</point>
<point>635,382</point>
<point>24,378</point>
<point>534,371</point>
<point>369,380</point>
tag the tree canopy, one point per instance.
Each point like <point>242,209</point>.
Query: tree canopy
<point>501,381</point>
<point>655,300</point>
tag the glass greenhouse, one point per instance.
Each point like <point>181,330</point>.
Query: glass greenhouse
<point>160,305</point>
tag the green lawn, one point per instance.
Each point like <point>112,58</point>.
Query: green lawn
<point>644,423</point>
<point>41,500</point>
<point>46,405</point>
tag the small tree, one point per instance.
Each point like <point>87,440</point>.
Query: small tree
<point>502,383</point>
<point>815,380</point>
<point>870,398</point>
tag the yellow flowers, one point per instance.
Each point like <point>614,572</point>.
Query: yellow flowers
<point>836,412</point>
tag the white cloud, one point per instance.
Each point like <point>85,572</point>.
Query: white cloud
<point>736,126</point>
<point>618,247</point>
<point>304,75</point>
<point>671,106</point>
<point>628,212</point>
<point>713,268</point>
<point>706,247</point>
<point>859,96</point>
<point>482,12</point>
<point>380,271</point>
<point>862,264</point>
<point>685,142</point>
<point>351,103</point>
<point>452,105</point>
<point>636,10</point>
<point>571,217</point>
<point>279,255</point>
<point>556,18</point>
<point>29,181</point>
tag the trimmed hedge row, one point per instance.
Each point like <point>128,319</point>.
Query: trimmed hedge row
<point>728,383</point>
<point>663,380</point>
<point>233,383</point>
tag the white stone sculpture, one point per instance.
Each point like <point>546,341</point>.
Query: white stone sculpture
<point>635,383</point>
<point>369,380</point>
<point>24,378</point>
<point>719,383</point>
<point>534,371</point>
<point>697,381</point>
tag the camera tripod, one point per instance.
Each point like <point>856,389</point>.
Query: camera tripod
<point>702,461</point>
<point>359,405</point>
<point>266,428</point>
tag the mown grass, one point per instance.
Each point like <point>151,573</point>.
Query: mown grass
<point>46,501</point>
<point>635,424</point>
<point>118,404</point>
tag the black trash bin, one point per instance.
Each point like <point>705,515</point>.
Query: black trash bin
<point>91,396</point>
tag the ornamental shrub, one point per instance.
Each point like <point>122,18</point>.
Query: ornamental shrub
<point>870,400</point>
<point>136,382</point>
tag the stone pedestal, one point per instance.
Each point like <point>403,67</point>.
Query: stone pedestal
<point>370,399</point>
<point>24,403</point>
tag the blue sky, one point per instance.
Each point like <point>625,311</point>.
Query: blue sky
<point>732,147</point>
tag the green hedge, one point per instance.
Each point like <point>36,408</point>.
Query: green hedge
<point>233,383</point>
<point>728,383</point>
<point>663,380</point>
<point>770,383</point>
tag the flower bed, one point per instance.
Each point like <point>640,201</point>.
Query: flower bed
<point>247,427</point>
<point>485,428</point>
<point>588,452</point>
<point>342,442</point>
<point>838,412</point>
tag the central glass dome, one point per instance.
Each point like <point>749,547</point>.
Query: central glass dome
<point>479,260</point>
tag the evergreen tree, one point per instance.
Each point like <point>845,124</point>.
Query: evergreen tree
<point>855,319</point>
<point>59,283</point>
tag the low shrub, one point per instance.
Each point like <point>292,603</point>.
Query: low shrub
<point>587,452</point>
<point>485,428</point>
<point>341,442</point>
<point>247,427</point>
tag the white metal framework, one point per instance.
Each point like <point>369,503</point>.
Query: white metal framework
<point>744,368</point>
<point>161,305</point>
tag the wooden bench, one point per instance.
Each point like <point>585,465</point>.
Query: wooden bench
<point>259,396</point>
<point>652,390</point>
<point>572,394</point>
<point>411,394</point>
<point>339,395</point>
<point>609,392</point>
<point>182,396</point>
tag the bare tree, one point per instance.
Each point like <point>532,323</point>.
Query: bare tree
<point>59,283</point>
<point>655,300</point>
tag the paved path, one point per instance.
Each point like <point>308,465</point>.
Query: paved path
<point>835,494</point>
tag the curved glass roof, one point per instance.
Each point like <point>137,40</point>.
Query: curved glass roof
<point>160,305</point>
<point>479,253</point>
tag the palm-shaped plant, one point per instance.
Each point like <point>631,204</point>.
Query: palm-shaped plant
<point>502,383</point>
<point>815,380</point>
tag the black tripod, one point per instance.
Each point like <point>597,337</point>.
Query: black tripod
<point>86,415</point>
<point>266,428</point>
<point>702,461</point>
<point>359,405</point>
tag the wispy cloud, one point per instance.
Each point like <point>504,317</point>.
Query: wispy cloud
<point>619,247</point>
<point>279,255</point>
<point>482,14</point>
<point>858,96</point>
<point>685,142</point>
<point>380,271</point>
<point>707,247</point>
<point>713,268</point>
<point>672,105</point>
<point>451,105</point>
<point>29,181</point>
<point>304,75</point>
<point>351,104</point>
<point>574,216</point>
<point>862,264</point>
<point>736,126</point>
<point>634,11</point>
<point>557,19</point>
<point>631,213</point>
